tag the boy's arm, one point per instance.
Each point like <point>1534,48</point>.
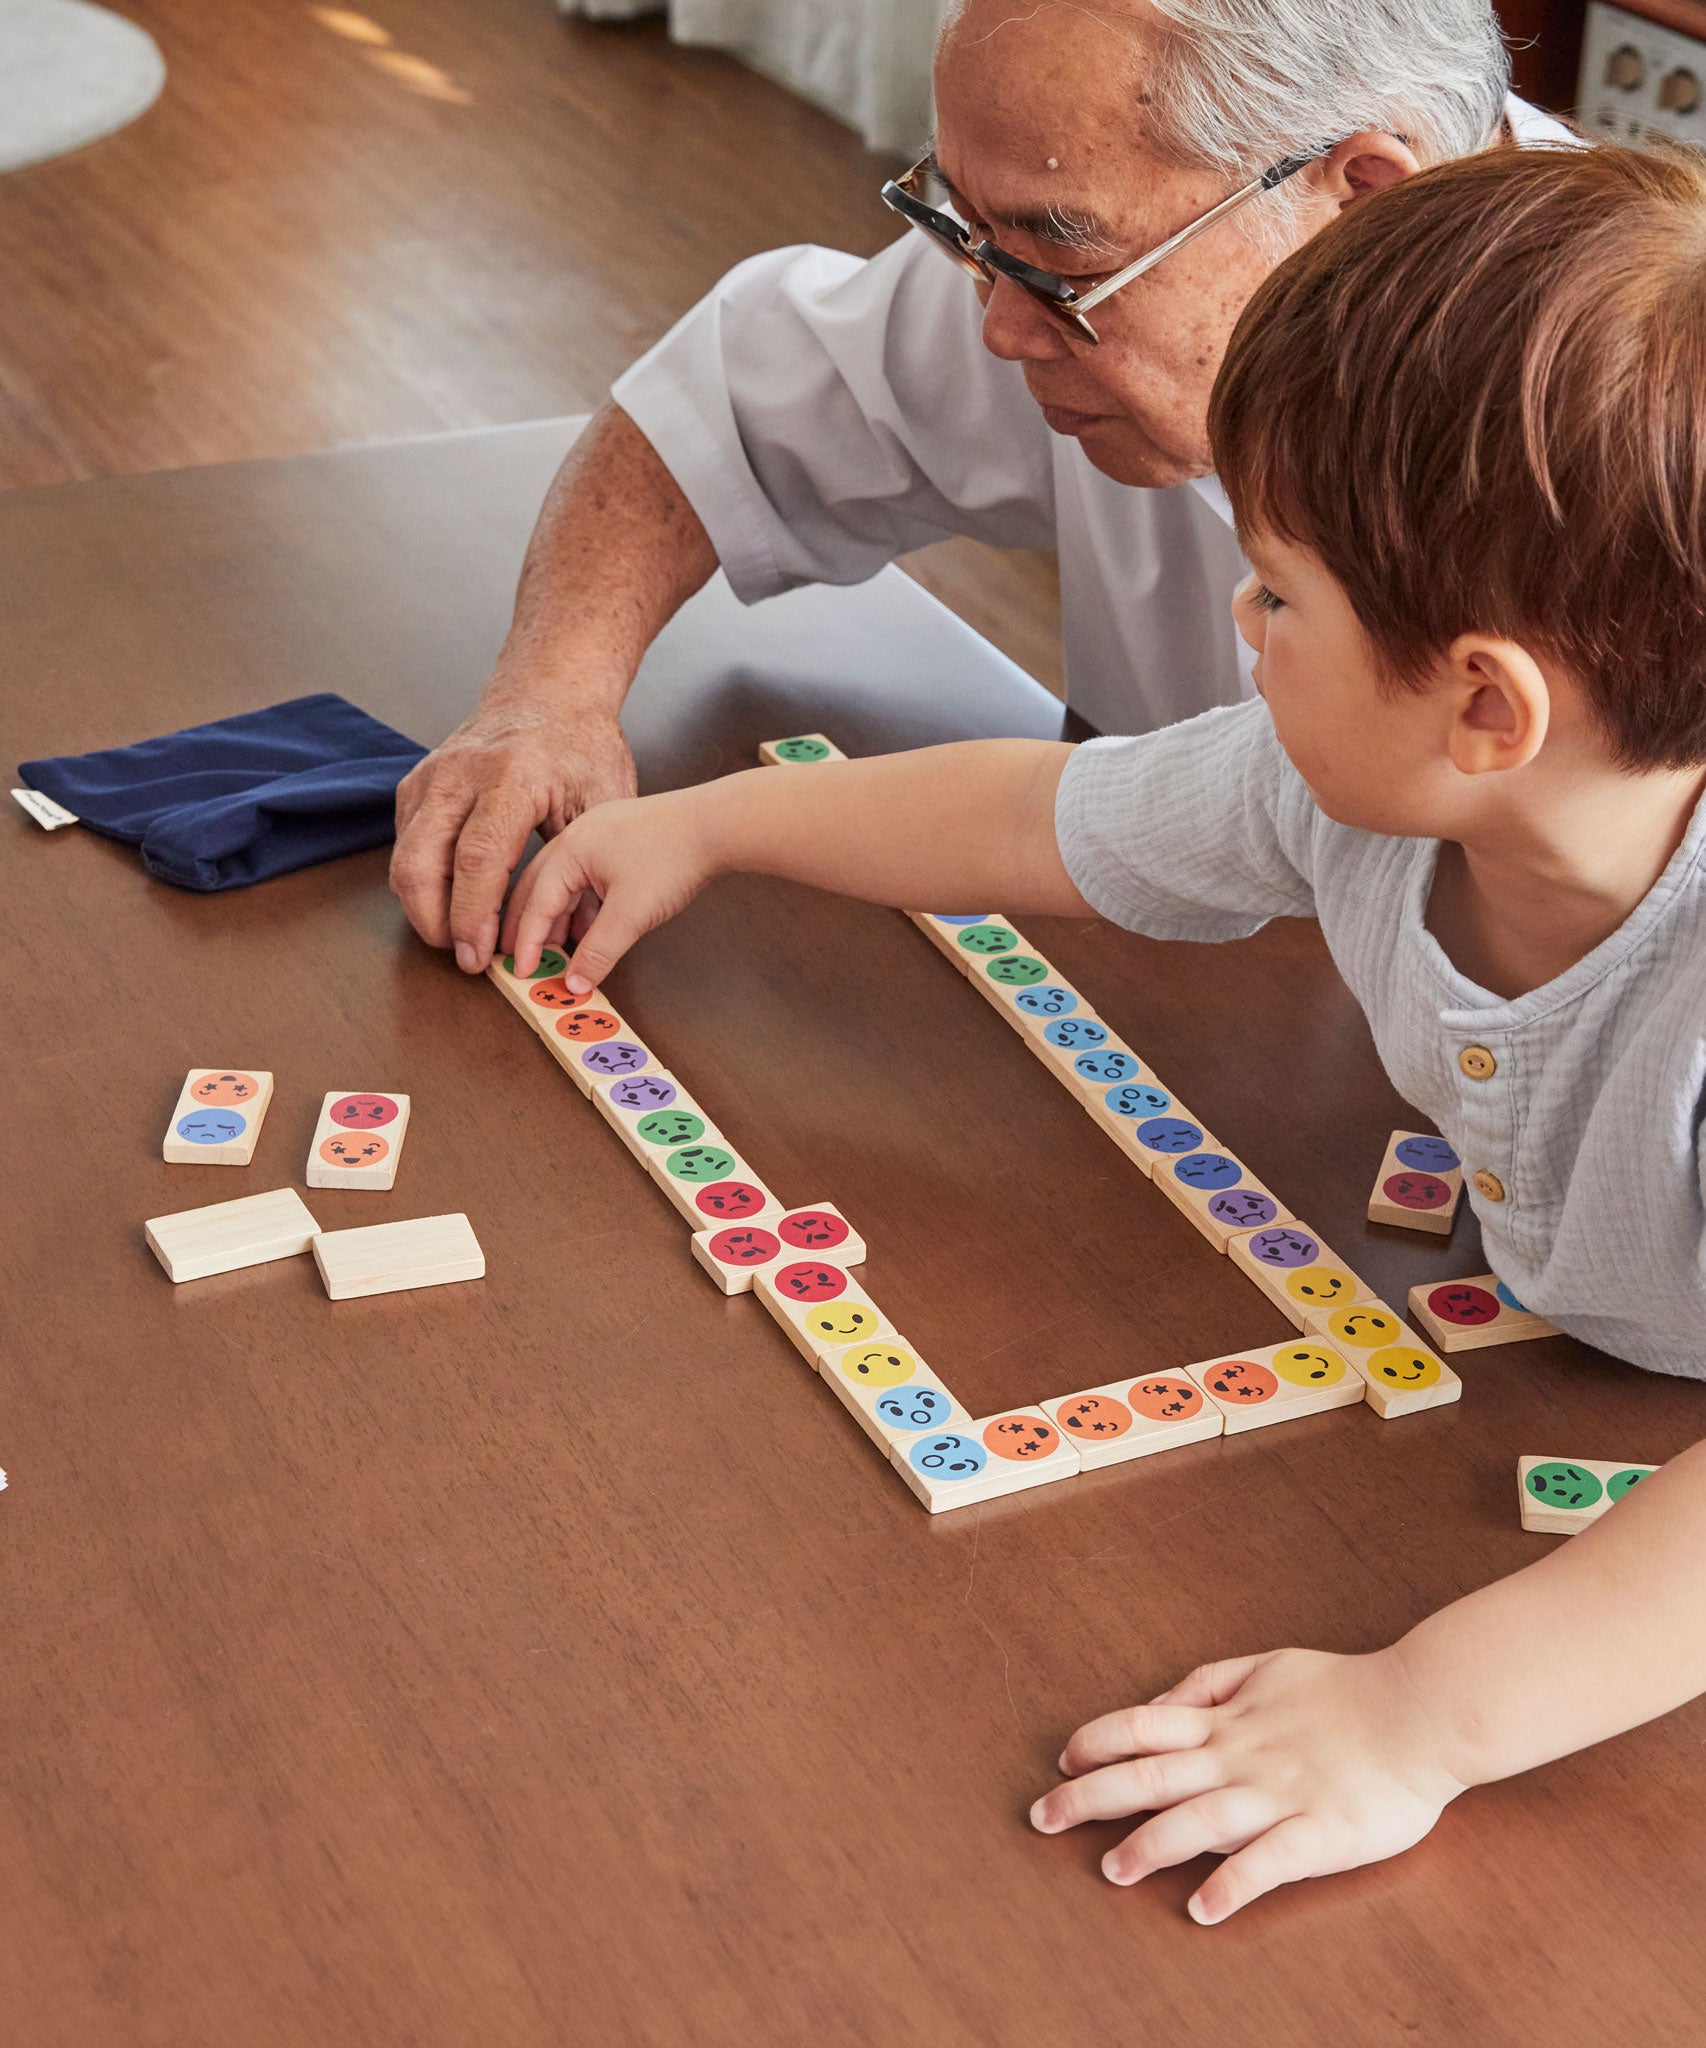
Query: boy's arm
<point>1297,1763</point>
<point>966,827</point>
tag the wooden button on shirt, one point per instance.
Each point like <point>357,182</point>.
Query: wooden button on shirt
<point>1490,1185</point>
<point>1477,1062</point>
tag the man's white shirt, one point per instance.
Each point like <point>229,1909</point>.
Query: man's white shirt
<point>824,414</point>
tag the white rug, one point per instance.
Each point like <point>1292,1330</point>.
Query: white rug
<point>69,72</point>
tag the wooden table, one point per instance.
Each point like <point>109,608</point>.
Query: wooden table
<point>548,1659</point>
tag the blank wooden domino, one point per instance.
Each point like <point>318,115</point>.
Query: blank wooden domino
<point>1297,1270</point>
<point>998,1455</point>
<point>820,1306</point>
<point>1560,1496</point>
<point>1219,1194</point>
<point>1279,1383</point>
<point>1135,1418</point>
<point>890,1392</point>
<point>1463,1315</point>
<point>1419,1184</point>
<point>799,751</point>
<point>1403,1375</point>
<point>652,1112</point>
<point>386,1258</point>
<point>358,1141</point>
<point>218,1117</point>
<point>709,1183</point>
<point>226,1236</point>
<point>736,1253</point>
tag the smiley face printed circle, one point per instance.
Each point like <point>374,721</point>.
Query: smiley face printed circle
<point>1074,1034</point>
<point>745,1247</point>
<point>913,1407</point>
<point>587,1027</point>
<point>355,1151</point>
<point>1024,1439</point>
<point>1416,1191</point>
<point>1161,1398</point>
<point>554,993</point>
<point>669,1127</point>
<point>1242,1382</point>
<point>1242,1208</point>
<point>1404,1367</point>
<point>878,1365</point>
<point>989,939</point>
<point>950,1456</point>
<point>700,1164</point>
<point>1093,1418</point>
<point>552,962</point>
<point>813,1230</point>
<point>1320,1287</point>
<point>1468,1307</point>
<point>1424,1154</point>
<point>1364,1329</point>
<point>1309,1365</point>
<point>212,1126</point>
<point>1049,1000</point>
<point>363,1112</point>
<point>643,1092</point>
<point>841,1322</point>
<point>225,1091</point>
<point>1560,1485</point>
<point>808,1281</point>
<point>1018,970</point>
<point>804,748</point>
<point>730,1200</point>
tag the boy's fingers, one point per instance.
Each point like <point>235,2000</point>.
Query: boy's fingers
<point>608,937</point>
<point>1282,1856</point>
<point>544,902</point>
<point>1215,1824</point>
<point>1134,1731</point>
<point>1142,1786</point>
<point>1209,1685</point>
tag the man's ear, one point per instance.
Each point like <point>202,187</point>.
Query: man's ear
<point>1501,705</point>
<point>1364,163</point>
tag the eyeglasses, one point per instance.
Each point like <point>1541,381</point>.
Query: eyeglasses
<point>1063,301</point>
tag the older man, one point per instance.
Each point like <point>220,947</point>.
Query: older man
<point>817,416</point>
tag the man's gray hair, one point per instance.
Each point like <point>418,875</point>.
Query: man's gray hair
<point>1241,83</point>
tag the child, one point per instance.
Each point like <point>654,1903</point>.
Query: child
<point>1464,430</point>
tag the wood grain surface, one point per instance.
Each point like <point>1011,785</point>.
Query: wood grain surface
<point>548,1659</point>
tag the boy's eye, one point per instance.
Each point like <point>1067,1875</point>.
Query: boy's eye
<point>1264,600</point>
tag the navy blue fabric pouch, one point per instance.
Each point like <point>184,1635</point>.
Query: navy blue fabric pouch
<point>241,799</point>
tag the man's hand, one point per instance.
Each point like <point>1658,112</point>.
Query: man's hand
<point>464,813</point>
<point>1290,1765</point>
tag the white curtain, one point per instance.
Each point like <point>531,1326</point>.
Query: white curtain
<point>865,61</point>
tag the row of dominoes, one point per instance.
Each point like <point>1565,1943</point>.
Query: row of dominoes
<point>357,1142</point>
<point>1202,1177</point>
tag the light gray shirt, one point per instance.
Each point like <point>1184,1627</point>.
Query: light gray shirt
<point>823,415</point>
<point>1592,1116</point>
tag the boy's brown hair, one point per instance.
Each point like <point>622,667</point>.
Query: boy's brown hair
<point>1480,398</point>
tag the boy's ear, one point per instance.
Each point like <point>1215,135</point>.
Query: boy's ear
<point>1364,163</point>
<point>1502,705</point>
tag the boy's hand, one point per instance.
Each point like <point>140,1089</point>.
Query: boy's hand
<point>640,860</point>
<point>1290,1765</point>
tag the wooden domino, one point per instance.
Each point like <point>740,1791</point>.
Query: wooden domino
<point>218,1118</point>
<point>1135,1418</point>
<point>1279,1383</point>
<point>944,934</point>
<point>799,751</point>
<point>820,1306</point>
<point>1419,1184</point>
<point>890,1392</point>
<point>226,1236</point>
<point>1219,1194</point>
<point>735,1254</point>
<point>1463,1315</point>
<point>1560,1496</point>
<point>709,1183</point>
<point>651,1112</point>
<point>586,1035</point>
<point>1403,1375</point>
<point>1297,1270</point>
<point>998,1455</point>
<point>386,1258</point>
<point>358,1142</point>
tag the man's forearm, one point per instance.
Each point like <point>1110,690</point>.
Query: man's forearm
<point>1607,1632</point>
<point>616,552</point>
<point>955,828</point>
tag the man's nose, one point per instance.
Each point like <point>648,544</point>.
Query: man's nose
<point>1016,328</point>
